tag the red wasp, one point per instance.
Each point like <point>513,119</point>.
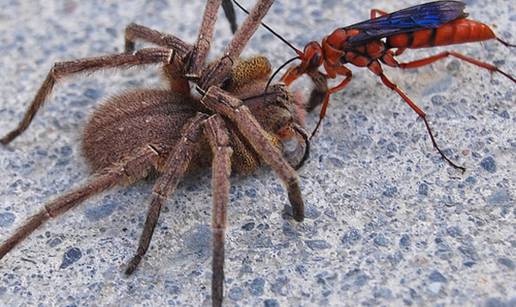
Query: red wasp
<point>369,43</point>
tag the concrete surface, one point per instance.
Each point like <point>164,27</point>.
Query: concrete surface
<point>388,222</point>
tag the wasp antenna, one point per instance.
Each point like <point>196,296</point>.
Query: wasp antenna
<point>505,43</point>
<point>278,70</point>
<point>299,52</point>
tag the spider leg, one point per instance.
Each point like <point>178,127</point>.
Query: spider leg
<point>223,103</point>
<point>63,69</point>
<point>219,71</point>
<point>173,71</point>
<point>134,32</point>
<point>229,11</point>
<point>173,170</point>
<point>218,138</point>
<point>195,60</point>
<point>131,170</point>
<point>247,29</point>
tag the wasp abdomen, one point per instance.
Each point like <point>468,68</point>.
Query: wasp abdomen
<point>456,32</point>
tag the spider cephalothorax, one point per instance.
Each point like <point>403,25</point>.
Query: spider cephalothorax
<point>150,117</point>
<point>234,127</point>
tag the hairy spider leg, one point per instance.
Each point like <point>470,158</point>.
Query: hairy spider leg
<point>223,103</point>
<point>195,61</point>
<point>229,11</point>
<point>217,73</point>
<point>63,69</point>
<point>135,32</point>
<point>133,169</point>
<point>175,168</point>
<point>218,138</point>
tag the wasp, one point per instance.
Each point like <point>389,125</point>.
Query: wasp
<point>379,40</point>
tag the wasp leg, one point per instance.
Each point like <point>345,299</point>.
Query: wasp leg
<point>376,68</point>
<point>445,54</point>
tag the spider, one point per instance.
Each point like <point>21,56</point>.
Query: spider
<point>234,126</point>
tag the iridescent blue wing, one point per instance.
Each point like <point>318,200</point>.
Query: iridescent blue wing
<point>425,16</point>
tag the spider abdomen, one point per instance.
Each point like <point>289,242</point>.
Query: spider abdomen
<point>126,123</point>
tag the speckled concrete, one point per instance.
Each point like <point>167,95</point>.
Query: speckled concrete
<point>388,222</point>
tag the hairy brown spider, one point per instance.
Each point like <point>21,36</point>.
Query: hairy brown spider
<point>169,133</point>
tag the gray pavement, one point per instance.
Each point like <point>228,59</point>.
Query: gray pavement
<point>388,222</point>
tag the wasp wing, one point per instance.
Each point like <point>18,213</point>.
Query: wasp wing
<point>425,16</point>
